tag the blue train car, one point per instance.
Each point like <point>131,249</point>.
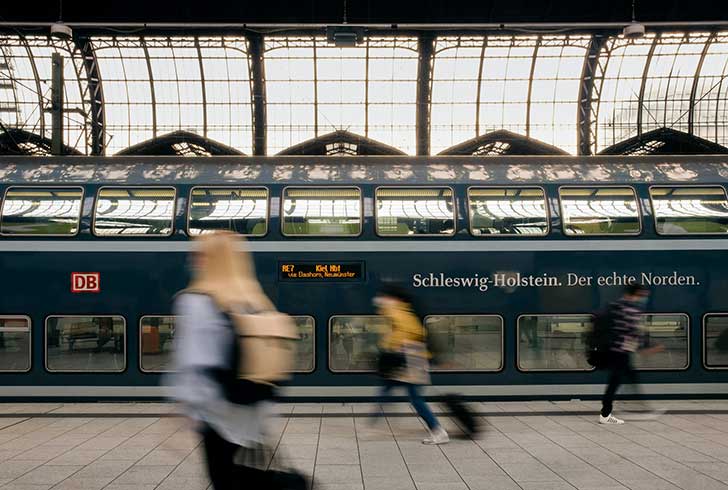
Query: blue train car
<point>508,258</point>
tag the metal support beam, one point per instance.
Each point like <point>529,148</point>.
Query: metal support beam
<point>696,79</point>
<point>588,95</point>
<point>57,104</point>
<point>534,58</point>
<point>257,72</point>
<point>94,96</point>
<point>643,84</point>
<point>426,51</point>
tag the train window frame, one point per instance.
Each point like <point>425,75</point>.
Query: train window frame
<point>282,217</point>
<point>518,342</point>
<point>30,343</point>
<point>314,337</point>
<point>69,187</point>
<point>104,372</point>
<point>704,341</point>
<point>267,207</point>
<point>330,351</point>
<point>688,360</point>
<point>510,235</point>
<point>141,319</point>
<point>135,236</point>
<point>685,186</point>
<point>640,214</point>
<point>502,366</point>
<point>423,235</point>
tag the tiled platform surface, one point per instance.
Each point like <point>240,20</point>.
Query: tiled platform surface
<point>536,445</point>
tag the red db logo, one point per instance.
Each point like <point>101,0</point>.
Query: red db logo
<point>85,282</point>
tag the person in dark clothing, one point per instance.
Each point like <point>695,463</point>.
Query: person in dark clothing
<point>625,338</point>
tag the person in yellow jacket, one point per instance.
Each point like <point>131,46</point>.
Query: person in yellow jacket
<point>405,349</point>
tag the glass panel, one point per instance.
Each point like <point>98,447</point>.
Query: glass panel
<point>85,343</point>
<point>465,342</point>
<point>686,210</point>
<point>715,338</point>
<point>305,360</point>
<point>242,210</point>
<point>599,211</point>
<point>407,211</point>
<point>504,211</point>
<point>322,211</point>
<point>41,211</point>
<point>553,342</point>
<point>670,331</point>
<point>157,343</point>
<point>353,342</point>
<point>14,344</point>
<point>132,211</point>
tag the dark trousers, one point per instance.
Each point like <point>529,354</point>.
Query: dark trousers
<point>224,473</point>
<point>415,398</point>
<point>620,369</point>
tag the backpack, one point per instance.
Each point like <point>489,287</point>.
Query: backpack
<point>599,339</point>
<point>265,345</point>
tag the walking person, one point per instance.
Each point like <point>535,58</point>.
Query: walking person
<point>229,413</point>
<point>624,339</point>
<point>404,356</point>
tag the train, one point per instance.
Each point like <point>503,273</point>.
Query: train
<point>508,259</point>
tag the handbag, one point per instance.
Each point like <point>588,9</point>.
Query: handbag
<point>389,362</point>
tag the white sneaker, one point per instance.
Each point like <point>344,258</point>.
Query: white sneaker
<point>610,419</point>
<point>437,436</point>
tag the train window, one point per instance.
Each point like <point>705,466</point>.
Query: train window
<point>715,341</point>
<point>322,211</point>
<point>243,210</point>
<point>157,341</point>
<point>353,342</point>
<point>15,343</point>
<point>85,344</point>
<point>305,359</point>
<point>407,211</point>
<point>686,210</point>
<point>465,342</point>
<point>52,211</point>
<point>553,342</point>
<point>508,211</point>
<point>669,331</point>
<point>599,211</point>
<point>134,211</point>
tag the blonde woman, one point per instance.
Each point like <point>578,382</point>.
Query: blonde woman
<point>223,279</point>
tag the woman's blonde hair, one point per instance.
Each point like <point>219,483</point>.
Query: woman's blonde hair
<point>227,273</point>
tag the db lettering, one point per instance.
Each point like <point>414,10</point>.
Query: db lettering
<point>85,282</point>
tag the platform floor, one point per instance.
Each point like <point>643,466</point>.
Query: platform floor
<point>537,445</point>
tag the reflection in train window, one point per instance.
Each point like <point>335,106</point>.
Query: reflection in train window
<point>553,342</point>
<point>686,210</point>
<point>14,343</point>
<point>715,341</point>
<point>669,331</point>
<point>305,359</point>
<point>507,211</point>
<point>465,342</point>
<point>406,211</point>
<point>85,343</point>
<point>145,211</point>
<point>599,211</point>
<point>41,211</point>
<point>329,211</point>
<point>243,210</point>
<point>353,342</point>
<point>157,342</point>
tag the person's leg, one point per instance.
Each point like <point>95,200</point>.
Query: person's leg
<point>413,392</point>
<point>618,365</point>
<point>382,395</point>
<point>219,455</point>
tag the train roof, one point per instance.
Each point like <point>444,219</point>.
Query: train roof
<point>363,170</point>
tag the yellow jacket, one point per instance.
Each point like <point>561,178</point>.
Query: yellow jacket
<point>406,327</point>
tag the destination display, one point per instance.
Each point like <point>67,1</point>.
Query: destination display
<point>321,271</point>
